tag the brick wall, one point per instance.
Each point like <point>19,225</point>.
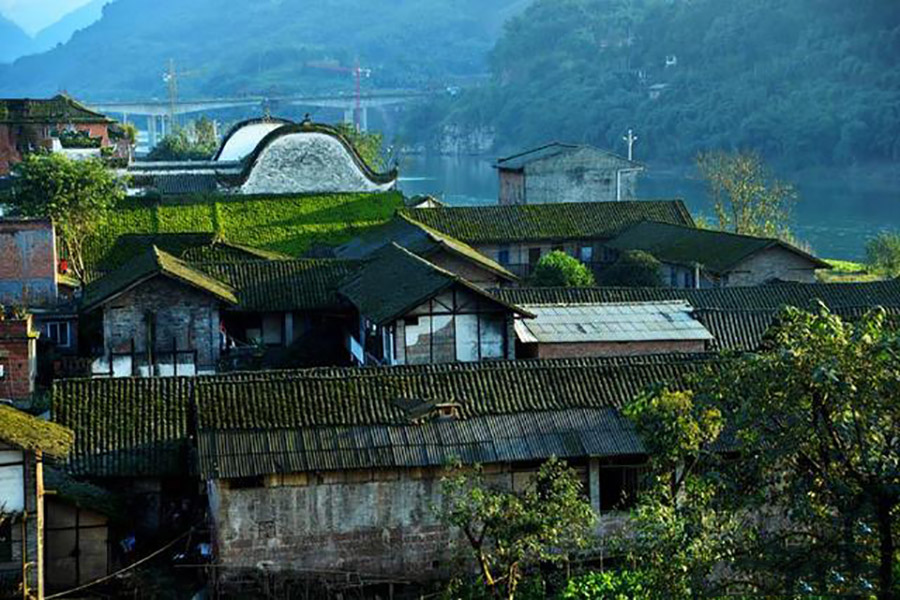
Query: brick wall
<point>27,262</point>
<point>18,351</point>
<point>618,348</point>
<point>585,175</point>
<point>187,315</point>
<point>9,155</point>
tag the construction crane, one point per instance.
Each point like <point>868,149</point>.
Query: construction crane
<point>171,77</point>
<point>357,72</point>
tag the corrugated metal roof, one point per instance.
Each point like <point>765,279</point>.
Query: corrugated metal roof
<point>613,322</point>
<point>488,439</point>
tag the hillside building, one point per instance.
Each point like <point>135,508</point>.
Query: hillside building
<point>566,173</point>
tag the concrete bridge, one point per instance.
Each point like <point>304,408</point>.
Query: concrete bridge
<point>158,111</point>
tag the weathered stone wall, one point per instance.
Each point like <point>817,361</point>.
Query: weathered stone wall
<point>586,175</point>
<point>309,162</point>
<point>618,348</point>
<point>512,187</point>
<point>27,262</point>
<point>187,315</point>
<point>772,263</point>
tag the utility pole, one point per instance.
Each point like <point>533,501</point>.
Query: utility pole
<point>630,139</point>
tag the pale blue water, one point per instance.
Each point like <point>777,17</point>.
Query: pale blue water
<point>836,213</point>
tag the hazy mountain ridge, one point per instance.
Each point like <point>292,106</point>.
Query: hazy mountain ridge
<point>255,48</point>
<point>61,31</point>
<point>13,41</point>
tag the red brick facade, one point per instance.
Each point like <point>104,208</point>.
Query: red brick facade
<point>18,349</point>
<point>15,138</point>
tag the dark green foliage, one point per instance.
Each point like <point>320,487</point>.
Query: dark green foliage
<point>558,269</point>
<point>77,195</point>
<point>606,585</point>
<point>182,146</point>
<point>580,70</point>
<point>369,145</point>
<point>633,268</point>
<point>811,503</point>
<point>883,254</point>
<point>508,531</point>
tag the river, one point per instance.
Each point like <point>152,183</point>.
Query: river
<point>837,211</point>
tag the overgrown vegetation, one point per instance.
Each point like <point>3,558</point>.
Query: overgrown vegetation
<point>633,268</point>
<point>777,472</point>
<point>558,269</point>
<point>196,142</point>
<point>883,254</point>
<point>291,225</point>
<point>77,195</point>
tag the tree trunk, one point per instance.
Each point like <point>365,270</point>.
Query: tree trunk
<point>886,550</point>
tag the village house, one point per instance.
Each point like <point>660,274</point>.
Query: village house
<point>566,173</point>
<point>694,257</point>
<point>285,158</point>
<point>517,236</point>
<point>59,123</point>
<point>25,443</point>
<point>18,355</point>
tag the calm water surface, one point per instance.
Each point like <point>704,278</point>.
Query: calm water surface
<point>836,213</point>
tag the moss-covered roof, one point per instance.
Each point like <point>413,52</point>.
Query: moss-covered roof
<point>395,281</point>
<point>547,222</point>
<point>152,263</point>
<point>419,239</point>
<point>282,285</point>
<point>60,109</point>
<point>716,251</point>
<point>31,433</point>
<point>83,494</point>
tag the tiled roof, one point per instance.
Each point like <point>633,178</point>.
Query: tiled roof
<point>418,239</point>
<point>282,285</point>
<point>716,251</point>
<point>150,264</point>
<point>57,110</point>
<point>547,222</point>
<point>171,184</point>
<point>765,297</point>
<point>395,281</point>
<point>615,322</point>
<point>133,427</point>
<point>519,161</point>
<point>32,433</point>
<point>573,433</point>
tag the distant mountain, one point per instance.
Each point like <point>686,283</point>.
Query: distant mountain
<point>61,31</point>
<point>13,41</point>
<point>265,47</point>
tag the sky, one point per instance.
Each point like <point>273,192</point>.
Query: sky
<point>34,15</point>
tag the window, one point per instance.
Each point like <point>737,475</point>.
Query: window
<point>673,277</point>
<point>503,255</point>
<point>6,543</point>
<point>58,333</point>
<point>586,254</point>
<point>688,279</point>
<point>619,487</point>
<point>534,256</point>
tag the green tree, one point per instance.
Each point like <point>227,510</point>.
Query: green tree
<point>76,195</point>
<point>606,585</point>
<point>633,268</point>
<point>508,532</point>
<point>369,145</point>
<point>558,269</point>
<point>883,254</point>
<point>815,423</point>
<point>179,146</point>
<point>748,198</point>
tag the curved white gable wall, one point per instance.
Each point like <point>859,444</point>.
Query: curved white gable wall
<point>308,162</point>
<point>245,140</point>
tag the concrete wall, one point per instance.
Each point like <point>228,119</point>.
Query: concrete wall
<point>307,163</point>
<point>584,175</point>
<point>189,316</point>
<point>519,253</point>
<point>18,356</point>
<point>27,263</point>
<point>772,263</point>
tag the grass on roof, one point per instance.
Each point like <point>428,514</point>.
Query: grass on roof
<point>845,271</point>
<point>31,433</point>
<point>289,225</point>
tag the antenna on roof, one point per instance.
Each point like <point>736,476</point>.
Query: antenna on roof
<point>630,139</point>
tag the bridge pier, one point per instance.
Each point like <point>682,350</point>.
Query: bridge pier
<point>152,130</point>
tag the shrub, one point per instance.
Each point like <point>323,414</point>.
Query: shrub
<point>608,585</point>
<point>558,269</point>
<point>633,268</point>
<point>883,254</point>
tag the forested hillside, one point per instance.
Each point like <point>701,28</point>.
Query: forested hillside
<point>265,47</point>
<point>802,81</point>
<point>13,41</point>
